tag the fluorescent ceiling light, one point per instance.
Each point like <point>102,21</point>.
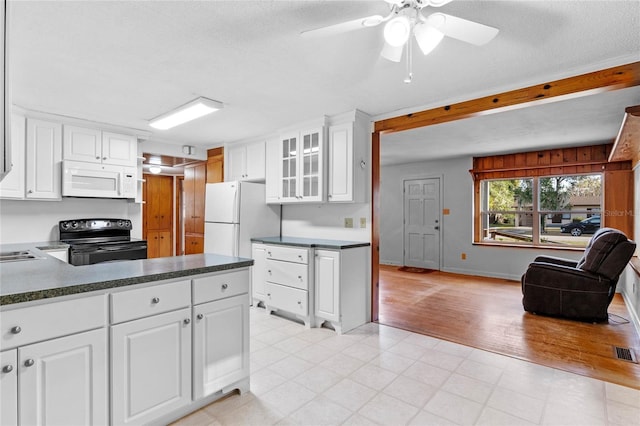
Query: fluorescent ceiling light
<point>187,112</point>
<point>155,169</point>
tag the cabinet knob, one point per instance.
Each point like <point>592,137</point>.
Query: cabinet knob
<point>300,256</point>
<point>7,368</point>
<point>268,294</point>
<point>29,362</point>
<point>200,316</point>
<point>155,300</point>
<point>299,302</point>
<point>16,330</point>
<point>300,277</point>
<point>187,320</point>
<point>269,271</point>
<point>97,157</point>
<point>104,158</point>
<point>30,191</point>
<point>225,286</point>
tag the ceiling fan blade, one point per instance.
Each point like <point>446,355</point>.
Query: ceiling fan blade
<point>461,29</point>
<point>392,53</point>
<point>436,3</point>
<point>343,27</point>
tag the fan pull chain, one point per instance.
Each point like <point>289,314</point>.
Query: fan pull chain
<point>409,76</point>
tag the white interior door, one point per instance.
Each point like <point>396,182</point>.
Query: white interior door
<point>422,223</point>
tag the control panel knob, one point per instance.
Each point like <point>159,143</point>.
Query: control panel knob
<point>74,224</point>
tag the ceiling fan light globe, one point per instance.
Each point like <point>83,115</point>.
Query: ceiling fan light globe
<point>427,37</point>
<point>397,31</point>
<point>392,53</point>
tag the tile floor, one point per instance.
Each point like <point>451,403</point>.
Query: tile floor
<point>378,375</point>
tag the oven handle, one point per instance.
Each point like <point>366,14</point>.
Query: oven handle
<point>121,248</point>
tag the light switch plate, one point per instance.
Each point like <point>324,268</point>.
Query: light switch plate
<point>348,222</point>
<point>363,222</point>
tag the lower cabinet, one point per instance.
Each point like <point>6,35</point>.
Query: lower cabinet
<point>194,243</point>
<point>221,344</point>
<point>159,244</point>
<point>258,279</point>
<point>151,367</point>
<point>39,380</point>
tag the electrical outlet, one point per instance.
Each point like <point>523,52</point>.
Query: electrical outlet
<point>363,222</point>
<point>348,222</point>
<point>463,256</point>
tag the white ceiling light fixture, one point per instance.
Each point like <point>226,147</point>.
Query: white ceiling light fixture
<point>190,111</point>
<point>155,169</point>
<point>397,31</point>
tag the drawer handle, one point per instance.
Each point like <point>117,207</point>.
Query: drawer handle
<point>16,329</point>
<point>7,368</point>
<point>199,316</point>
<point>268,294</point>
<point>299,302</point>
<point>269,271</point>
<point>29,362</point>
<point>269,253</point>
<point>300,256</point>
<point>187,321</point>
<point>155,300</point>
<point>225,286</point>
<point>300,277</point>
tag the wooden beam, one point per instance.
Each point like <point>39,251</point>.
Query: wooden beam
<point>599,81</point>
<point>627,144</point>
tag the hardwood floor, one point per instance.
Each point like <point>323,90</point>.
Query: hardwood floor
<point>487,313</point>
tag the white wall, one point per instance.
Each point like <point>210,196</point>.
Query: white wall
<point>457,227</point>
<point>37,221</point>
<point>326,221</point>
<point>629,284</point>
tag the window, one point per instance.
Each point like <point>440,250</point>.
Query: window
<point>560,211</point>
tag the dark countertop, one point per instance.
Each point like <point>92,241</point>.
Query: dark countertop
<point>310,242</point>
<point>47,277</point>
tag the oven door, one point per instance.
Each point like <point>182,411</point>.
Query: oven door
<point>100,253</point>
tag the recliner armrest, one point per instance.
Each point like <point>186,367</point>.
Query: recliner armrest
<point>557,261</point>
<point>564,277</point>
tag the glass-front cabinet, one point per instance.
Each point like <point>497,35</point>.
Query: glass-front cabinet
<point>302,166</point>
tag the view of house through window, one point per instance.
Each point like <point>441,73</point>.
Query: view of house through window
<point>551,210</point>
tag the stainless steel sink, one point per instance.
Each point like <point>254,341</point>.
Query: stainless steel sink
<point>15,256</point>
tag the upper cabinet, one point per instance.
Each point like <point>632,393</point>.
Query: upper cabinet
<point>299,156</point>
<point>96,146</point>
<point>44,158</point>
<point>12,186</point>
<point>348,155</point>
<point>246,161</point>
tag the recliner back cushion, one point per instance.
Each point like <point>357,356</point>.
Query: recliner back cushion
<point>598,250</point>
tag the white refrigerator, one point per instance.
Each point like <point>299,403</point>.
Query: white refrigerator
<point>234,213</point>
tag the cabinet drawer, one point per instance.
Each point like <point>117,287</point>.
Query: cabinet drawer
<point>143,302</point>
<point>286,273</point>
<point>288,254</point>
<point>220,286</point>
<point>42,322</point>
<point>286,298</point>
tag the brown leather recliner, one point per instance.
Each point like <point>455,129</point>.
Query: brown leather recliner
<point>579,290</point>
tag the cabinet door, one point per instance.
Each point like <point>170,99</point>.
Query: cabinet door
<point>64,381</point>
<point>44,157</point>
<point>327,283</point>
<point>289,160</point>
<point>221,345</point>
<point>237,162</point>
<point>194,244</point>
<point>159,244</point>
<point>12,186</point>
<point>259,255</point>
<point>310,172</point>
<point>82,144</point>
<point>151,367</point>
<point>9,387</point>
<point>255,162</point>
<point>194,185</point>
<point>273,169</point>
<point>121,150</point>
<point>158,208</point>
<point>340,163</point>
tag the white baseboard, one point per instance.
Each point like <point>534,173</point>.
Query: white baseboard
<point>482,273</point>
<point>634,315</point>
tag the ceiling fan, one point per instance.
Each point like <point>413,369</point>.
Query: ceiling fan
<point>406,18</point>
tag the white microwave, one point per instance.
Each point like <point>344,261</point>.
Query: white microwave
<point>81,179</point>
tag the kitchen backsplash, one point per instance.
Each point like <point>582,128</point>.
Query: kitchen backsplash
<point>36,221</point>
<point>327,221</point>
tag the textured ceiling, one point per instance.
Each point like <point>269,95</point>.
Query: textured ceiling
<point>126,62</point>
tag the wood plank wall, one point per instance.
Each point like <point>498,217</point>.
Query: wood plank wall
<point>618,177</point>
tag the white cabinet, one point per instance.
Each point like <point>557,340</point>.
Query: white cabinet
<point>97,146</point>
<point>54,372</point>
<point>221,344</point>
<point>9,387</point>
<point>286,280</point>
<point>220,332</point>
<point>246,162</point>
<point>341,288</point>
<point>348,155</point>
<point>258,279</point>
<point>151,367</point>
<point>44,157</point>
<point>299,156</point>
<point>12,186</point>
<point>273,170</point>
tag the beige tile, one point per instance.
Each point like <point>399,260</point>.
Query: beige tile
<point>287,397</point>
<point>255,412</point>
<point>410,391</point>
<point>483,372</point>
<point>265,380</point>
<point>380,342</point>
<point>421,340</point>
<point>373,377</point>
<point>321,411</point>
<point>454,408</point>
<point>392,362</point>
<point>516,404</point>
<point>623,414</point>
<point>441,359</point>
<point>467,387</point>
<point>292,344</point>
<point>198,418</point>
<point>408,350</point>
<point>359,420</point>
<point>267,356</point>
<point>425,418</point>
<point>342,364</point>
<point>291,366</point>
<point>622,394</point>
<point>453,348</point>
<point>388,410</point>
<point>315,353</point>
<point>362,352</point>
<point>492,417</point>
<point>429,374</point>
<point>318,379</point>
<point>350,394</point>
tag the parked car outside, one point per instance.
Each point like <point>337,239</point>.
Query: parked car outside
<point>587,226</point>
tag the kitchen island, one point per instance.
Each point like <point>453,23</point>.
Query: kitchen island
<point>135,342</point>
